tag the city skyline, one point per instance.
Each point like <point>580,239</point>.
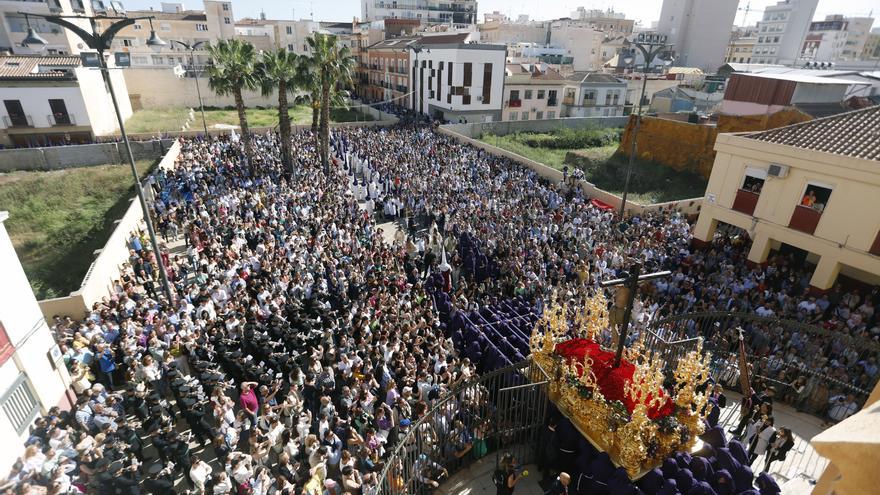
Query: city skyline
<point>643,11</point>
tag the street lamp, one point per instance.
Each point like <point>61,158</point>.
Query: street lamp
<point>32,37</point>
<point>100,43</point>
<point>192,58</point>
<point>650,45</point>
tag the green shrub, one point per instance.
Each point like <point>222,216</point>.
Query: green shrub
<point>573,138</point>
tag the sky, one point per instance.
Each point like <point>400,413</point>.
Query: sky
<point>645,11</point>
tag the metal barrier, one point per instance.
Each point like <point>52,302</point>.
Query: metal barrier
<point>500,411</point>
<point>806,388</point>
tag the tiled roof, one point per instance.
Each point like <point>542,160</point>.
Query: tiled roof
<point>19,67</point>
<point>854,134</point>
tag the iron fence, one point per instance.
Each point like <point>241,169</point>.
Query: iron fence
<point>500,411</point>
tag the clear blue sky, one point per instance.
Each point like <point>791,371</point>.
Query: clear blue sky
<point>645,11</point>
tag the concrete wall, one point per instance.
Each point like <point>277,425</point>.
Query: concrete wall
<point>105,269</point>
<point>463,132</point>
<point>159,87</point>
<point>475,130</point>
<point>58,157</point>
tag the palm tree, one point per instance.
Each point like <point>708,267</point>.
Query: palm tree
<point>231,70</point>
<point>281,70</point>
<point>334,66</point>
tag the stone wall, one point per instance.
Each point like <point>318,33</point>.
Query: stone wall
<point>83,155</point>
<point>690,147</point>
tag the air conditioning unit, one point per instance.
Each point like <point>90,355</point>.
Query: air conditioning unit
<point>777,170</point>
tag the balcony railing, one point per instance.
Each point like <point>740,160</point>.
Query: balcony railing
<point>745,202</point>
<point>552,102</point>
<point>805,219</point>
<point>18,121</point>
<point>61,119</point>
<point>568,100</point>
<point>515,103</point>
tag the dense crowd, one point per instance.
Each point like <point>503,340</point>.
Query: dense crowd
<point>301,343</point>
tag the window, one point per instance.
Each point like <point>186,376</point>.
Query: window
<point>539,116</point>
<point>466,100</point>
<point>19,404</point>
<point>201,27</point>
<point>589,95</point>
<point>137,27</point>
<point>290,47</point>
<point>551,98</point>
<point>127,42</point>
<point>157,60</point>
<point>289,29</point>
<point>551,114</point>
<point>16,113</point>
<point>487,83</point>
<point>528,94</point>
<point>816,196</point>
<point>226,20</point>
<point>525,115</point>
<point>226,7</point>
<point>513,115</point>
<point>608,98</point>
<point>468,75</point>
<point>514,94</point>
<point>616,97</point>
<point>139,60</point>
<point>541,94</point>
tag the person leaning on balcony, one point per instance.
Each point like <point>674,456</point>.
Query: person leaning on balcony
<point>809,199</point>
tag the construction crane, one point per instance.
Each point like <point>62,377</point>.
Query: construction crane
<point>745,10</point>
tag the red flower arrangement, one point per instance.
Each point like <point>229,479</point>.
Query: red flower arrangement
<point>609,379</point>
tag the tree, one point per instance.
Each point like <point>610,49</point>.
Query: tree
<point>334,66</point>
<point>231,70</point>
<point>281,70</point>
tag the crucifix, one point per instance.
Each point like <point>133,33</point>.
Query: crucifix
<point>628,286</point>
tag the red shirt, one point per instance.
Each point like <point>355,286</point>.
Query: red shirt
<point>248,400</point>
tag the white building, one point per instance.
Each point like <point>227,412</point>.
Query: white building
<point>459,13</point>
<point>459,82</point>
<point>592,94</point>
<point>33,377</point>
<point>782,31</point>
<point>54,100</point>
<point>837,39</point>
<point>699,30</point>
<point>532,92</point>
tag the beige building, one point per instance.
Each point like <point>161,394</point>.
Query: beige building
<point>532,92</point>
<point>173,23</point>
<point>739,51</point>
<point>59,41</point>
<point>811,189</point>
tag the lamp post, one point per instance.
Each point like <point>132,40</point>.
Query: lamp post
<point>100,43</point>
<point>650,45</point>
<point>192,60</point>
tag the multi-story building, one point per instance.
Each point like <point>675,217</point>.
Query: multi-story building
<point>258,32</point>
<point>292,35</point>
<point>699,30</point>
<point>14,25</point>
<point>458,81</point>
<point>858,31</point>
<point>811,189</point>
<point>532,92</point>
<point>388,67</point>
<point>607,21</point>
<point>459,13</point>
<point>214,23</point>
<point>740,50</point>
<point>592,94</point>
<point>33,375</point>
<point>782,31</point>
<point>871,51</point>
<point>54,100</point>
<point>826,39</point>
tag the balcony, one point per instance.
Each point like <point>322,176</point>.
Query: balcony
<point>745,202</point>
<point>805,219</point>
<point>568,100</point>
<point>61,119</point>
<point>515,103</point>
<point>18,121</point>
<point>552,102</point>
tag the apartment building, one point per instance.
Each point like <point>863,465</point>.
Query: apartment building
<point>740,50</point>
<point>532,92</point>
<point>593,94</point>
<point>258,32</point>
<point>782,31</point>
<point>871,51</point>
<point>54,100</point>
<point>33,375</point>
<point>811,189</point>
<point>14,25</point>
<point>836,39</point>
<point>214,23</point>
<point>456,80</point>
<point>458,13</point>
<point>698,30</point>
<point>388,68</point>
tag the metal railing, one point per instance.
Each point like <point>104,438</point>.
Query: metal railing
<point>802,384</point>
<point>18,121</point>
<point>61,119</point>
<point>503,410</point>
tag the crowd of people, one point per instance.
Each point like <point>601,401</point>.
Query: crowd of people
<point>299,344</point>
